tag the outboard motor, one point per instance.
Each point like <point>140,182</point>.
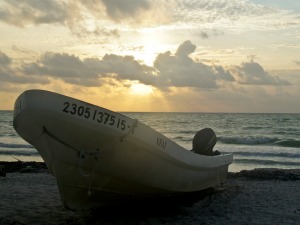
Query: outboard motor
<point>204,142</point>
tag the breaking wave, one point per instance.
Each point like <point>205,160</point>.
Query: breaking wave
<point>269,154</point>
<point>259,141</point>
<point>17,149</point>
<point>13,146</point>
<point>265,162</point>
<point>289,143</point>
<point>19,153</point>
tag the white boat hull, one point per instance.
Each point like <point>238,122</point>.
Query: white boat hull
<point>100,157</point>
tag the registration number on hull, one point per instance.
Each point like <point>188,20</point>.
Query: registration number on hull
<point>95,115</point>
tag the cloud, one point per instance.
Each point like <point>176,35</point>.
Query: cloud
<point>180,70</point>
<point>21,13</point>
<point>209,33</point>
<point>233,15</point>
<point>4,60</point>
<point>169,70</point>
<point>203,35</point>
<point>90,71</point>
<point>68,68</point>
<point>252,73</point>
<point>69,13</point>
<point>127,68</point>
<point>213,10</point>
<point>120,9</point>
<point>9,74</point>
<point>185,49</point>
<point>85,19</point>
<point>102,18</point>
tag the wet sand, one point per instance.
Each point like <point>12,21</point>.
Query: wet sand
<point>29,195</point>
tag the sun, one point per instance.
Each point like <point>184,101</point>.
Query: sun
<point>147,44</point>
<point>141,89</point>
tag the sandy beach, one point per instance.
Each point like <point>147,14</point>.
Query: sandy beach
<point>261,196</point>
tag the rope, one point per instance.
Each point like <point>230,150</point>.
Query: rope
<point>82,154</point>
<point>91,175</point>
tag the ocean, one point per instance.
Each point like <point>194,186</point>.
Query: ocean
<point>255,140</point>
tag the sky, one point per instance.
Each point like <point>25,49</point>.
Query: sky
<point>153,55</point>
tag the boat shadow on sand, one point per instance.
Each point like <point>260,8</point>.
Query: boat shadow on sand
<point>143,209</point>
<point>142,206</point>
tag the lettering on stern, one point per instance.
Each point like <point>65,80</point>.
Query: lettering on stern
<point>161,142</point>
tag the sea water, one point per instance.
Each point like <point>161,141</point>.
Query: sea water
<point>255,140</point>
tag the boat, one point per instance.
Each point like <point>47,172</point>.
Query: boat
<point>100,157</point>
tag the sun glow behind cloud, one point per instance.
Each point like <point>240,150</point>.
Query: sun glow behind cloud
<point>141,89</point>
<point>145,45</point>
